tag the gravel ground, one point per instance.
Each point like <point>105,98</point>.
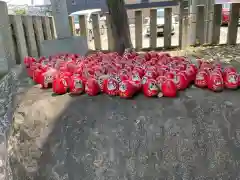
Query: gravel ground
<point>194,136</point>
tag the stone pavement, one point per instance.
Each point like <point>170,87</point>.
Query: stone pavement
<point>11,86</point>
<point>194,136</point>
<point>63,137</point>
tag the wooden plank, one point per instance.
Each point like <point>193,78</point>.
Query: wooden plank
<point>30,36</point>
<point>200,16</point>
<point>167,27</point>
<point>13,42</point>
<point>233,24</point>
<point>109,33</point>
<point>72,25</point>
<point>138,29</point>
<point>83,25</point>
<point>52,27</point>
<point>153,28</point>
<point>18,32</point>
<point>96,32</point>
<point>38,29</point>
<point>217,18</point>
<point>46,28</point>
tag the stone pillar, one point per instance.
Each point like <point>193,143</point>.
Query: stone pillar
<point>6,48</point>
<point>210,10</point>
<point>60,14</point>
<point>65,42</point>
<point>192,22</point>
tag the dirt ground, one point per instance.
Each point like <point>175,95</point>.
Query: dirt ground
<point>195,136</point>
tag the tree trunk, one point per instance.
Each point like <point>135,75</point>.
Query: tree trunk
<point>119,25</point>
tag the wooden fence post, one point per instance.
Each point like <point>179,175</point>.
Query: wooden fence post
<point>18,32</point>
<point>96,32</point>
<point>72,25</point>
<point>30,36</point>
<point>138,29</point>
<point>6,50</point>
<point>153,28</point>
<point>217,18</point>
<point>83,25</point>
<point>200,25</point>
<point>46,28</point>
<point>233,24</point>
<point>167,27</point>
<point>52,27</point>
<point>38,29</point>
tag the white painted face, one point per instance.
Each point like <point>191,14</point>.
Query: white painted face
<point>111,85</point>
<point>48,79</point>
<point>232,78</point>
<point>135,77</point>
<point>153,87</point>
<point>78,84</point>
<point>122,87</point>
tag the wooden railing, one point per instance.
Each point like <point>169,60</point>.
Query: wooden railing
<point>29,31</point>
<point>27,34</point>
<point>204,32</point>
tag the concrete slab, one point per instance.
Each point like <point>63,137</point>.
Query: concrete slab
<point>6,51</point>
<point>74,44</point>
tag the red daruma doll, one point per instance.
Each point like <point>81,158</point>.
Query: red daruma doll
<point>101,80</point>
<point>215,82</point>
<point>201,80</point>
<point>59,85</point>
<point>111,86</point>
<point>169,88</point>
<point>231,80</point>
<point>238,80</point>
<point>150,88</point>
<point>126,89</point>
<point>76,85</point>
<point>181,81</point>
<point>92,87</point>
<point>46,78</point>
<point>136,80</point>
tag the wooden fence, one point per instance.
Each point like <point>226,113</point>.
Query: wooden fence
<point>204,33</point>
<point>29,31</point>
<point>27,34</point>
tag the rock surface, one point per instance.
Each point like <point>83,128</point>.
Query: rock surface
<point>195,136</point>
<point>74,138</point>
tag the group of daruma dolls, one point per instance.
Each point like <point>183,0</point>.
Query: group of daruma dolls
<point>152,73</point>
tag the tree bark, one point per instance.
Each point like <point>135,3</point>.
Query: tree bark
<point>119,25</point>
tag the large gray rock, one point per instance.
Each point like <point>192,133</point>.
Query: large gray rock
<point>74,44</point>
<point>194,136</point>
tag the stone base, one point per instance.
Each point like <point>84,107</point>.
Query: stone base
<point>74,44</point>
